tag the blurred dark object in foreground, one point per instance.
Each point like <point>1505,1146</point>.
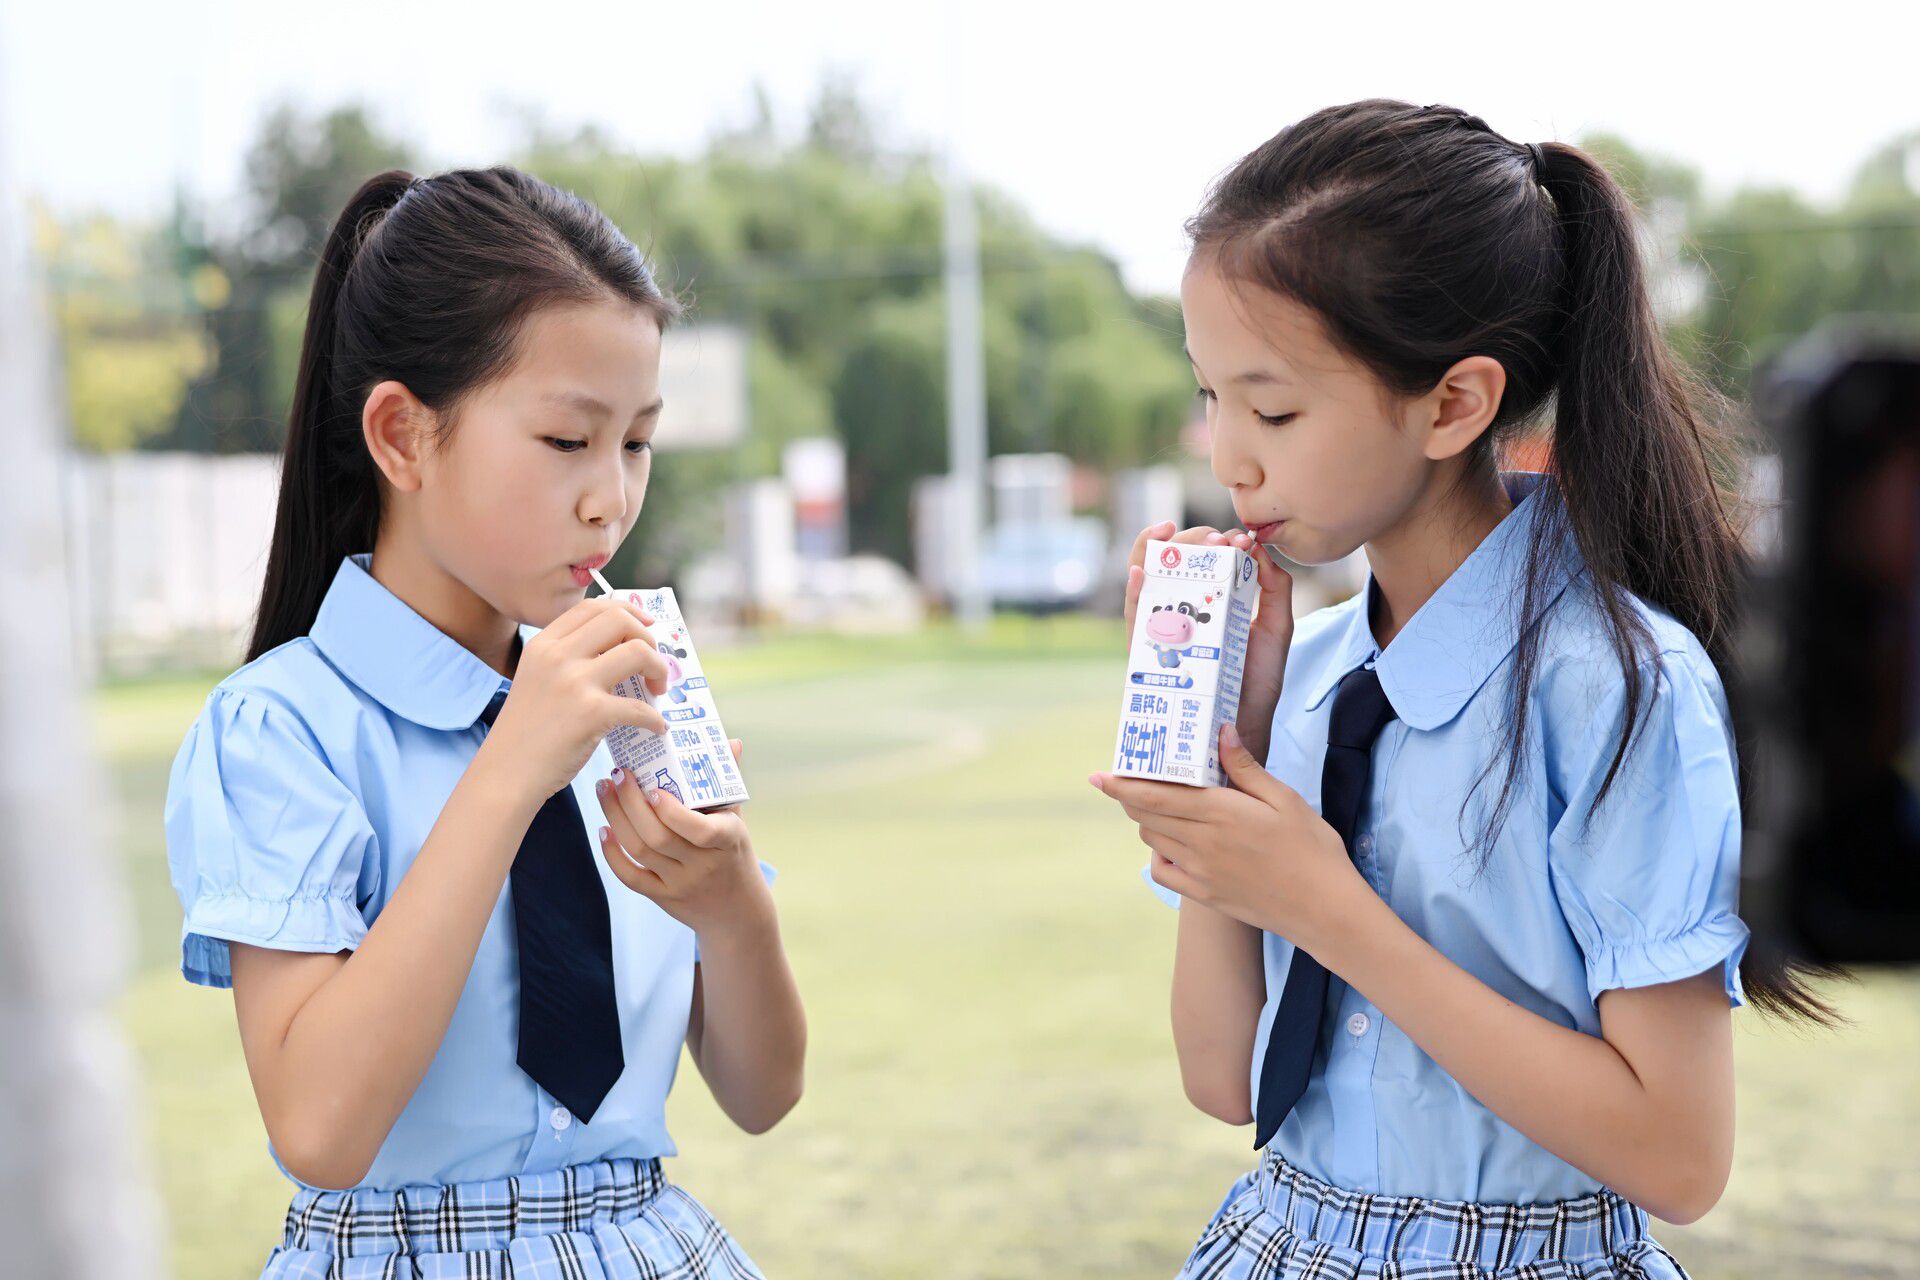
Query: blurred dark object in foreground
<point>1830,669</point>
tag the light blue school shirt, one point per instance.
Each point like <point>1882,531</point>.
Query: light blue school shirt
<point>298,800</point>
<point>1646,895</point>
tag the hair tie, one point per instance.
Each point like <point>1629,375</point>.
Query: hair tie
<point>1539,155</point>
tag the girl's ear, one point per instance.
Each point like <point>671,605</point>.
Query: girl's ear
<point>395,424</point>
<point>1462,405</point>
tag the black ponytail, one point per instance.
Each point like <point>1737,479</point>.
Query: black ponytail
<point>329,493</point>
<point>426,281</point>
<point>1420,236</point>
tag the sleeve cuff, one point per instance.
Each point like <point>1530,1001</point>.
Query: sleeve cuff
<point>321,925</point>
<point>1722,939</point>
<point>1160,891</point>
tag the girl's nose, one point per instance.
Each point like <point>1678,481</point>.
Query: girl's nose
<point>1234,465</point>
<point>605,502</point>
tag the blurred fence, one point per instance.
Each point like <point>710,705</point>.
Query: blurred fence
<point>165,554</point>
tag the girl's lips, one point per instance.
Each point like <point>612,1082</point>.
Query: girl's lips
<point>1265,532</point>
<point>583,572</point>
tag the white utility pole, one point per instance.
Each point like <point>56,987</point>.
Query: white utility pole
<point>75,1202</point>
<point>966,356</point>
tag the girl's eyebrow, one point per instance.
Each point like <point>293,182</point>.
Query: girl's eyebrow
<point>594,407</point>
<point>1254,377</point>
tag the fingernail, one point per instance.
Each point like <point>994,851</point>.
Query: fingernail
<point>603,786</point>
<point>1231,734</point>
<point>619,776</point>
<point>653,796</point>
<point>606,834</point>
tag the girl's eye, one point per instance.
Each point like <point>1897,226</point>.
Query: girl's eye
<point>637,447</point>
<point>566,446</point>
<point>1280,421</point>
<point>1205,393</point>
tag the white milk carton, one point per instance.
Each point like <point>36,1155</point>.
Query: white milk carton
<point>691,759</point>
<point>1188,648</point>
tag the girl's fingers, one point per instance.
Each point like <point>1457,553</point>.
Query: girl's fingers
<point>643,808</point>
<point>701,830</point>
<point>614,626</point>
<point>1136,578</point>
<point>1185,830</point>
<point>1163,845</point>
<point>641,879</point>
<point>634,711</point>
<point>738,748</point>
<point>1149,796</point>
<point>1166,873</point>
<point>639,656</point>
<point>632,600</point>
<point>1162,531</point>
<point>633,823</point>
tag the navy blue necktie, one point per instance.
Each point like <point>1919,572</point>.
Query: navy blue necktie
<point>1360,712</point>
<point>569,1020</point>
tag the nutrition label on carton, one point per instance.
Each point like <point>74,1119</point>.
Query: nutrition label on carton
<point>1184,661</point>
<point>692,759</point>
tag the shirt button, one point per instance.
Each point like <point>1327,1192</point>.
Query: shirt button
<point>560,1117</point>
<point>1364,844</point>
<point>1357,1025</point>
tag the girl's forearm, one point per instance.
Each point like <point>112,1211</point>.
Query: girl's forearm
<point>1572,1093</point>
<point>1219,986</point>
<point>751,1044</point>
<point>358,1047</point>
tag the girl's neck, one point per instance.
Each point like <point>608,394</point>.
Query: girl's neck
<point>402,566</point>
<point>1411,560</point>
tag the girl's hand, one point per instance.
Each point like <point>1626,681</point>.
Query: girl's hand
<point>1255,851</point>
<point>562,703</point>
<point>699,867</point>
<point>1136,563</point>
<point>1267,644</point>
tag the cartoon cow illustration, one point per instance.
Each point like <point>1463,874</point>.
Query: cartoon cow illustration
<point>1170,630</point>
<point>675,672</point>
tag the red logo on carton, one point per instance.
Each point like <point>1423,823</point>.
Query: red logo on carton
<point>1170,557</point>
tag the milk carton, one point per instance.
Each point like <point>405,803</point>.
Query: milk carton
<point>1188,648</point>
<point>691,759</point>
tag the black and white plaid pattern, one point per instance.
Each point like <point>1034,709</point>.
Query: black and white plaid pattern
<point>604,1220</point>
<point>1278,1223</point>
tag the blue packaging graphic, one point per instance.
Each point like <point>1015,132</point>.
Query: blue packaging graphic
<point>691,759</point>
<point>1184,661</point>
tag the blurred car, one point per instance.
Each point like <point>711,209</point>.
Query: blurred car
<point>1043,566</point>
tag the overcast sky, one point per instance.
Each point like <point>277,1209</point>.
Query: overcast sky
<point>1107,127</point>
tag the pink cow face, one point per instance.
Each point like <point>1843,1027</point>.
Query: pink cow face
<point>1173,625</point>
<point>674,673</point>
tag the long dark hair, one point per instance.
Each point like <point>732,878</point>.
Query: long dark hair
<point>1419,236</point>
<point>427,281</point>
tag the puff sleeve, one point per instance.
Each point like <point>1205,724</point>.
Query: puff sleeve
<point>265,844</point>
<point>1649,885</point>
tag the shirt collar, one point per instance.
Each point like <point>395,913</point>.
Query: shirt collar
<point>1453,642</point>
<point>408,665</point>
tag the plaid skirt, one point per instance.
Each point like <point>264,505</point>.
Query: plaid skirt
<point>1278,1223</point>
<point>604,1220</point>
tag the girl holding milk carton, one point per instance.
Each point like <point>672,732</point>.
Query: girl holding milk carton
<point>1464,950</point>
<point>464,950</point>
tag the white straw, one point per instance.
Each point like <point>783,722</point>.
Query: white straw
<point>602,581</point>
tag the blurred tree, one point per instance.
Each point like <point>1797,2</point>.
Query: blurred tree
<point>128,335</point>
<point>823,241</point>
<point>828,249</point>
<point>299,173</point>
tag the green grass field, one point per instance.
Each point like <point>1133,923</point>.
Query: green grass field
<point>992,1090</point>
